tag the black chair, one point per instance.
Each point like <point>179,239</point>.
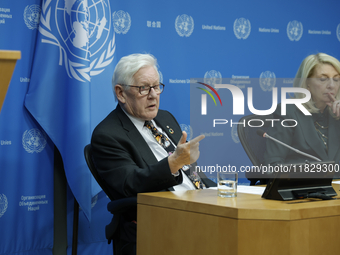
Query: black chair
<point>116,207</point>
<point>253,144</point>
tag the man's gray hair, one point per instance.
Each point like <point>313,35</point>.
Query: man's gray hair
<point>128,66</point>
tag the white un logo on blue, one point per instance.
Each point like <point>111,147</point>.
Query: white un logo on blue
<point>82,31</point>
<point>294,30</point>
<point>213,77</point>
<point>267,80</point>
<point>121,22</point>
<point>160,76</point>
<point>234,134</point>
<point>338,32</point>
<point>188,130</point>
<point>81,25</point>
<point>242,28</point>
<point>33,140</point>
<point>3,204</point>
<point>32,16</point>
<point>184,25</point>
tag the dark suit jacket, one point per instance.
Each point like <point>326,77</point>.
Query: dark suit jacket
<point>302,137</point>
<point>125,161</point>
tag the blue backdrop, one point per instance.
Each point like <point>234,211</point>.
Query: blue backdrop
<point>61,88</point>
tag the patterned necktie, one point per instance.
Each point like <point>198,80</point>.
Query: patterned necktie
<point>160,138</point>
<point>168,146</point>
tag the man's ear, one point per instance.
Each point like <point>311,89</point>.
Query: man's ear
<point>120,93</point>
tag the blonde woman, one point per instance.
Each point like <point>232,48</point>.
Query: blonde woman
<point>319,133</point>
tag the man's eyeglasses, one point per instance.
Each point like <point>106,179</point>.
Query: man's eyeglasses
<point>145,90</point>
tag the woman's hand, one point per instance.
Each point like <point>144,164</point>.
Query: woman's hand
<point>334,104</point>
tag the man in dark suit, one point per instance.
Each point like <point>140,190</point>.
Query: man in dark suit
<point>129,155</point>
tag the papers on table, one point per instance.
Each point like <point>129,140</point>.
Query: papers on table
<point>251,189</point>
<point>248,189</point>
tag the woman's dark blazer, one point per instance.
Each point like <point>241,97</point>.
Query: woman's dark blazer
<point>303,137</point>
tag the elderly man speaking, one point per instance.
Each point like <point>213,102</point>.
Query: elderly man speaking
<point>139,148</point>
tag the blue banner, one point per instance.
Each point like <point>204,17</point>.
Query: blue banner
<point>26,152</point>
<point>61,88</point>
<point>75,42</point>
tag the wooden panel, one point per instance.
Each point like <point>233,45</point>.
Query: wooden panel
<point>299,237</point>
<point>199,222</point>
<point>7,63</point>
<point>10,54</point>
<point>169,232</point>
<point>265,237</point>
<point>324,236</point>
<point>244,206</point>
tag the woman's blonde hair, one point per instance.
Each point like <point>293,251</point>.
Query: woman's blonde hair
<point>306,70</point>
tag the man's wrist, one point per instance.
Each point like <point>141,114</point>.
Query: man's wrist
<point>173,164</point>
<point>175,174</point>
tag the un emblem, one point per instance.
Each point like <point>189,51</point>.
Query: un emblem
<point>32,16</point>
<point>338,32</point>
<point>160,76</point>
<point>3,204</point>
<point>267,80</point>
<point>82,32</point>
<point>242,28</point>
<point>33,140</point>
<point>121,22</point>
<point>188,130</point>
<point>234,134</point>
<point>294,30</point>
<point>184,25</point>
<point>212,78</point>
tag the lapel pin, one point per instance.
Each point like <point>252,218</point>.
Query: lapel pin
<point>171,131</point>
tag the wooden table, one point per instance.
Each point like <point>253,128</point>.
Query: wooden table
<point>200,222</point>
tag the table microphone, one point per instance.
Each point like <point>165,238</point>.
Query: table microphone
<point>260,132</point>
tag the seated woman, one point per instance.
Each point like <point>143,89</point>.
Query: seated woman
<point>319,133</point>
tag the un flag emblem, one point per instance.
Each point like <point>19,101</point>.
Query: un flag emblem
<point>83,28</point>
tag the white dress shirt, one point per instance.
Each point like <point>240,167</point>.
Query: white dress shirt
<point>157,149</point>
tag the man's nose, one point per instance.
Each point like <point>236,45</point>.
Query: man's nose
<point>152,93</point>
